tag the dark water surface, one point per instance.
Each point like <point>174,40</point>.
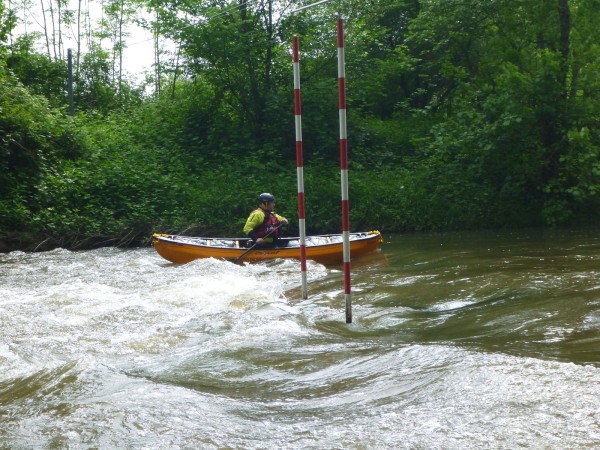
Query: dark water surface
<point>459,341</point>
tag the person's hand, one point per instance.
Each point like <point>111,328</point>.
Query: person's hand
<point>285,222</point>
<point>260,241</point>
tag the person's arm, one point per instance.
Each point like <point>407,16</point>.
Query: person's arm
<point>255,219</point>
<point>282,219</point>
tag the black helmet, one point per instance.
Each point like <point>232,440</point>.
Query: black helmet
<point>265,198</point>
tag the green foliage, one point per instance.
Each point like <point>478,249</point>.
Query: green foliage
<point>33,142</point>
<point>38,73</point>
<point>119,192</point>
<point>95,89</point>
<point>461,114</point>
<point>8,20</point>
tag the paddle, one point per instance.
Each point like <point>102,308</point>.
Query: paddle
<point>235,260</point>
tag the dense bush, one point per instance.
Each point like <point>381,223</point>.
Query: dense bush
<point>460,115</point>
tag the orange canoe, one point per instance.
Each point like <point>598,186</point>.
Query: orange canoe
<point>324,249</point>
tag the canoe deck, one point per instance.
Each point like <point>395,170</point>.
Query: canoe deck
<point>324,249</point>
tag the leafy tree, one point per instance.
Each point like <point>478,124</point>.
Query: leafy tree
<point>95,88</point>
<point>33,142</point>
<point>511,64</point>
<point>41,75</point>
<point>236,50</point>
<point>8,21</point>
<point>461,114</point>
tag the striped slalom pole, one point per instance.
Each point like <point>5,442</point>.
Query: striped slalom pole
<point>299,164</point>
<point>344,167</point>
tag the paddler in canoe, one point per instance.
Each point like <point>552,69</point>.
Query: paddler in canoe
<point>264,225</point>
<point>264,242</point>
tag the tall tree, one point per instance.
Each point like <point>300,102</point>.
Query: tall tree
<point>8,20</point>
<point>233,47</point>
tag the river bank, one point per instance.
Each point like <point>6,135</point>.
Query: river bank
<point>34,242</point>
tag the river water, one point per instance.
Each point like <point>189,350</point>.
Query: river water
<point>459,341</point>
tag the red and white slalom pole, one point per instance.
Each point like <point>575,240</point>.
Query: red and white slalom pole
<point>344,168</point>
<point>299,164</point>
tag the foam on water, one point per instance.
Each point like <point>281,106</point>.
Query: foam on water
<point>118,349</point>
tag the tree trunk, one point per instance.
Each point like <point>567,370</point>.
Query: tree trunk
<point>46,29</point>
<point>564,42</point>
<point>554,125</point>
<point>60,39</point>
<point>53,31</point>
<point>270,43</point>
<point>78,39</point>
<point>256,101</point>
<point>157,53</point>
<point>175,71</point>
<point>121,50</point>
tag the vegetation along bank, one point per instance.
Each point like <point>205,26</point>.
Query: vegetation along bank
<point>461,115</point>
